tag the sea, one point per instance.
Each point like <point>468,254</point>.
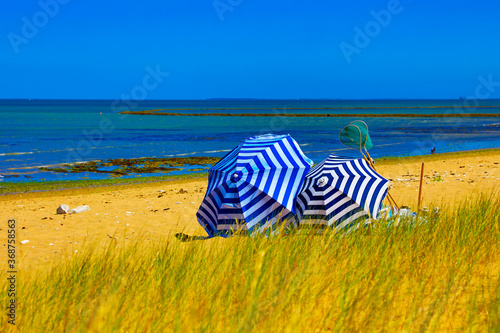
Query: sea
<point>38,133</point>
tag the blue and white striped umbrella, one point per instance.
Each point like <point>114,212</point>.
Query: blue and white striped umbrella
<point>253,186</point>
<point>340,191</point>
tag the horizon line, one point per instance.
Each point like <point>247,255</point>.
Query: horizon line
<point>247,99</point>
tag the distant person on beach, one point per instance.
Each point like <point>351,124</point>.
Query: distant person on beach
<point>433,150</point>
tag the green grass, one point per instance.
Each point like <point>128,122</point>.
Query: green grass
<point>438,276</point>
<point>437,178</point>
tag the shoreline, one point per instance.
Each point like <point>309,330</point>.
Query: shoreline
<point>16,188</point>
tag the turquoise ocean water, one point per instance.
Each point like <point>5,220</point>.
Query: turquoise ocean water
<point>36,133</point>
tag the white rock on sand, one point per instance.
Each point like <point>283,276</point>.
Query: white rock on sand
<point>63,209</point>
<point>80,209</point>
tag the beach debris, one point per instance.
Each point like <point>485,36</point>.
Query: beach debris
<point>178,202</point>
<point>182,191</point>
<point>25,241</point>
<point>80,209</point>
<point>51,244</point>
<point>63,209</point>
<point>193,202</point>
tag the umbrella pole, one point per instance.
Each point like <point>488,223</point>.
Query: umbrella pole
<point>389,196</point>
<point>420,188</point>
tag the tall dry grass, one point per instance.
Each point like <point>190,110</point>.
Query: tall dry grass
<point>439,276</point>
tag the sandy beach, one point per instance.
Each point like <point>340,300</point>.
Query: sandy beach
<point>161,209</point>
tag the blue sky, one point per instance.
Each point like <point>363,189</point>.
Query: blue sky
<point>249,48</point>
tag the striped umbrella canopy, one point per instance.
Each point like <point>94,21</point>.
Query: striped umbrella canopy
<point>338,192</point>
<point>253,186</point>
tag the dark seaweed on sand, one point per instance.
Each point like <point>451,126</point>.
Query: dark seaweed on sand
<point>125,166</point>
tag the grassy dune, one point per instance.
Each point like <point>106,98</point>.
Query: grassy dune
<point>443,275</point>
